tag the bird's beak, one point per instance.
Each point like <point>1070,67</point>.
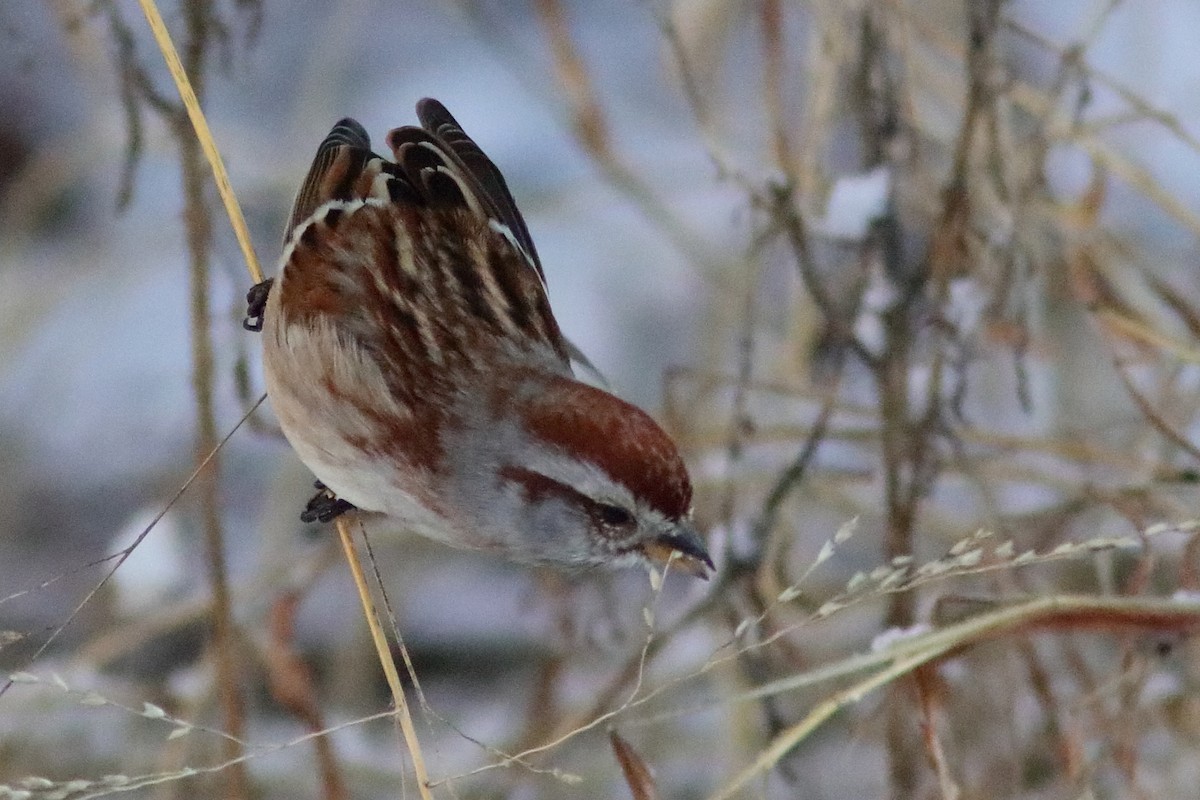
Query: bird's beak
<point>682,541</point>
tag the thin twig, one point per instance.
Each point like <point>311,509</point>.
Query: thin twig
<point>384,652</point>
<point>1065,612</point>
<point>233,209</point>
<point>121,556</point>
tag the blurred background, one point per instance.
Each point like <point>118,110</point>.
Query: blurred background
<point>913,284</point>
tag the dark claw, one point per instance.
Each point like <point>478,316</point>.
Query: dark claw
<point>324,506</point>
<point>256,305</point>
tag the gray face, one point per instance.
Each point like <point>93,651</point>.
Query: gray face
<point>598,524</point>
<point>543,505</point>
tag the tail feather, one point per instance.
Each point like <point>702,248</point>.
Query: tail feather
<point>489,181</point>
<point>440,184</point>
<point>436,165</point>
<point>336,168</point>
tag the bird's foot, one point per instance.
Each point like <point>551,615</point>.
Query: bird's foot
<point>325,505</point>
<point>256,305</point>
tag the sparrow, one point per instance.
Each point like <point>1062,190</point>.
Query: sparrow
<point>414,363</point>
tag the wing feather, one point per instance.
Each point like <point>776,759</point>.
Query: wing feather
<point>456,241</point>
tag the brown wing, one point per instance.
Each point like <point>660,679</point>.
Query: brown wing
<point>437,245</point>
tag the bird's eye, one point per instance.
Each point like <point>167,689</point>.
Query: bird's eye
<point>615,516</point>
